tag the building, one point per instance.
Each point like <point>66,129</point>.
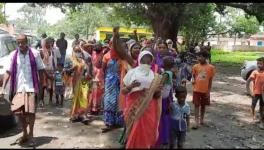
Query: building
<point>257,39</point>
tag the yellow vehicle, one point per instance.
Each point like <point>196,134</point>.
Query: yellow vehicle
<point>105,33</point>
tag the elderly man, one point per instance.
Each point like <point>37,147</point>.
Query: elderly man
<point>25,70</point>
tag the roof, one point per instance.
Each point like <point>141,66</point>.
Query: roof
<point>258,36</point>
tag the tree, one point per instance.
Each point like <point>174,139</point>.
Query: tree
<point>32,18</point>
<point>2,15</point>
<point>199,24</point>
<point>167,18</point>
<point>84,21</point>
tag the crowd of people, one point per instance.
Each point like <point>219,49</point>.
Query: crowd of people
<point>132,84</point>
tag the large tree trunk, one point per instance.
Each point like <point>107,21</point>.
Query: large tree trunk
<point>166,24</point>
<point>165,30</point>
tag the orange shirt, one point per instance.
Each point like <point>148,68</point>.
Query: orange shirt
<point>258,78</point>
<point>202,75</point>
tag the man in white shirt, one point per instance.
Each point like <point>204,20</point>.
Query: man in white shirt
<point>197,48</point>
<point>23,71</point>
<point>56,50</point>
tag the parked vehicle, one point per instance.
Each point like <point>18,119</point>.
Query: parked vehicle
<point>246,70</point>
<point>7,45</point>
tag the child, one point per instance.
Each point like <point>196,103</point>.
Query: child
<point>258,78</point>
<point>59,85</point>
<point>180,118</point>
<point>167,98</point>
<point>203,74</point>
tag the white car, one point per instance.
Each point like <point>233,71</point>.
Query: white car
<point>7,45</point>
<point>246,70</point>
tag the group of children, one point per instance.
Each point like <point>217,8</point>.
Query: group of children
<point>179,111</point>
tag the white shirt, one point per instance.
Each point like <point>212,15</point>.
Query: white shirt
<point>24,75</point>
<point>57,53</point>
<point>49,65</point>
<point>197,49</point>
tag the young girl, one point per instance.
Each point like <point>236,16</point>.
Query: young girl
<point>59,85</point>
<point>167,98</point>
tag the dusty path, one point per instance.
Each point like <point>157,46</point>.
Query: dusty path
<point>228,120</point>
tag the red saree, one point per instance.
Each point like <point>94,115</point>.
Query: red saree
<point>142,125</point>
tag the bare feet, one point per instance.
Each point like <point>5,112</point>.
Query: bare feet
<point>20,140</point>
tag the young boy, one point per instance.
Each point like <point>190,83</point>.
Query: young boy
<point>59,85</point>
<point>258,78</point>
<point>203,74</point>
<point>180,118</point>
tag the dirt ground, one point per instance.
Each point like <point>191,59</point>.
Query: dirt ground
<point>229,124</point>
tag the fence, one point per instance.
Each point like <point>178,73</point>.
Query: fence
<point>245,48</point>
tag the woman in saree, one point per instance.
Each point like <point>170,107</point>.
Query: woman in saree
<point>80,87</point>
<point>134,50</point>
<point>112,62</point>
<point>142,88</point>
<point>98,80</point>
<point>112,116</point>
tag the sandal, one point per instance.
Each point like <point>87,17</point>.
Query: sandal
<point>20,140</point>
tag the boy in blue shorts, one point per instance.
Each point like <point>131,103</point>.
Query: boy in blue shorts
<point>180,118</point>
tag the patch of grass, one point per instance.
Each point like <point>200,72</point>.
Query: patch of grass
<point>233,58</point>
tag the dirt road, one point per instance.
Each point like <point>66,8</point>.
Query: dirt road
<point>228,120</point>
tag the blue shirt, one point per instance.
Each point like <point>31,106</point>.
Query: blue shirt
<point>58,79</point>
<point>179,115</point>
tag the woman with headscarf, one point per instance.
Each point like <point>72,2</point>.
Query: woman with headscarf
<point>80,87</point>
<point>134,50</point>
<point>142,88</point>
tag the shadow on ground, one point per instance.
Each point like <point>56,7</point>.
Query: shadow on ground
<point>39,141</point>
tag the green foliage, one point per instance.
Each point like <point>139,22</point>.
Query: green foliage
<point>32,19</point>
<point>242,24</point>
<point>85,21</point>
<point>2,16</point>
<point>195,20</point>
<point>198,24</point>
<point>234,58</point>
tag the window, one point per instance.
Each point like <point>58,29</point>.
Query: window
<point>260,43</point>
<point>10,44</point>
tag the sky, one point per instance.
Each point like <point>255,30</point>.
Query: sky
<point>53,15</point>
